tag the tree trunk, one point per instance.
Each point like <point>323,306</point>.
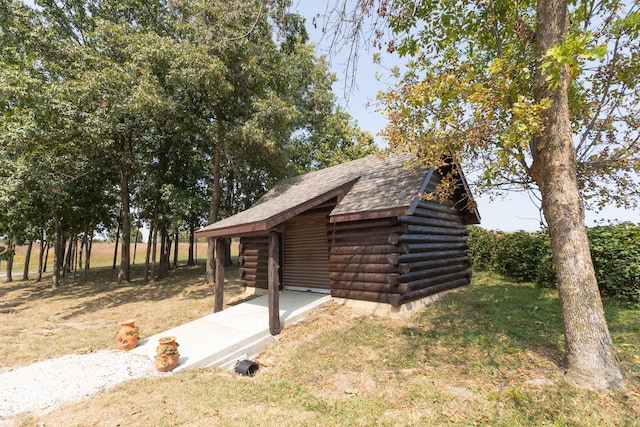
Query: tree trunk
<point>175,250</point>
<point>192,238</point>
<point>61,256</point>
<point>153,253</point>
<point>135,247</point>
<point>46,257</point>
<point>85,272</point>
<point>167,253</point>
<point>68,259</point>
<point>27,260</point>
<point>75,256</point>
<point>213,213</point>
<point>148,257</point>
<point>58,248</point>
<point>115,249</point>
<point>165,248</point>
<point>590,358</point>
<point>83,245</point>
<point>41,256</point>
<point>124,275</point>
<point>10,247</point>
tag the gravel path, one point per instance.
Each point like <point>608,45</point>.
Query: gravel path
<point>51,383</point>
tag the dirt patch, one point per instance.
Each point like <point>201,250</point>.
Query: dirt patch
<point>343,385</point>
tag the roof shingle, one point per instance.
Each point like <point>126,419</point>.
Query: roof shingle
<point>372,183</point>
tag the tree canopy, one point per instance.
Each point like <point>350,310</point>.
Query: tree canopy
<point>470,88</point>
<point>167,113</point>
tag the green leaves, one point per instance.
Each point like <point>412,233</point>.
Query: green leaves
<point>469,90</point>
<point>576,49</point>
<point>5,253</point>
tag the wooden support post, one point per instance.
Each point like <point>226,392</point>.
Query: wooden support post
<point>274,283</point>
<point>219,282</point>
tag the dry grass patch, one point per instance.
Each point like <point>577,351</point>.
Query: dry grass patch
<point>486,355</point>
<point>40,322</point>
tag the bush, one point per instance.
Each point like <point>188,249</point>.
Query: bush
<point>524,256</point>
<point>481,246</point>
<point>521,256</point>
<point>616,259</point>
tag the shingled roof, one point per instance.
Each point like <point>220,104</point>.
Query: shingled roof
<point>370,187</point>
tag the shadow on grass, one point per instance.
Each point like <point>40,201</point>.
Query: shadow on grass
<point>100,291</point>
<point>490,320</point>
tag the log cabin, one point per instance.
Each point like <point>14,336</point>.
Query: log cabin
<point>362,231</point>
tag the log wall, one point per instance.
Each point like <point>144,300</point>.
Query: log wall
<point>254,261</point>
<point>401,259</point>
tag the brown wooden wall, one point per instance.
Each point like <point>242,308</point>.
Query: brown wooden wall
<point>362,261</point>
<point>253,261</point>
<point>402,259</point>
<point>433,253</point>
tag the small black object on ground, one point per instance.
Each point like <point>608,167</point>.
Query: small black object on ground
<point>246,367</point>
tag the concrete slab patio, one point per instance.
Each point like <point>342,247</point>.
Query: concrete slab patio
<point>236,333</point>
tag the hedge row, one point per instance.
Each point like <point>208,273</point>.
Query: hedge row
<point>526,257</point>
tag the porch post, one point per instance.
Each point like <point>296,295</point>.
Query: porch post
<point>219,281</point>
<point>274,283</point>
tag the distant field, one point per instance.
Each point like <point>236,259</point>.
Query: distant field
<point>102,256</point>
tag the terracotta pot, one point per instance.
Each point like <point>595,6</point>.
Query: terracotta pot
<point>167,342</point>
<point>128,336</point>
<point>167,355</point>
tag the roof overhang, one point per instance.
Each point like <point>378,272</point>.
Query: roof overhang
<point>263,226</point>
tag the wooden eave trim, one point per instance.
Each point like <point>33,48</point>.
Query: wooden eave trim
<point>423,187</point>
<point>274,221</point>
<point>231,231</point>
<point>473,214</point>
<point>366,215</point>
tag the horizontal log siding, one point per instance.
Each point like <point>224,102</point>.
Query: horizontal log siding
<point>254,261</point>
<point>433,252</point>
<point>399,260</point>
<point>362,261</point>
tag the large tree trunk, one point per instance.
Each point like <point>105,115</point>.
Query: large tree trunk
<point>590,358</point>
<point>124,275</point>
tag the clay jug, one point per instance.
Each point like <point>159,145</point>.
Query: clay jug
<point>128,336</point>
<point>167,355</point>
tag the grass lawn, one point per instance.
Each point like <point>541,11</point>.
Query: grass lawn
<point>489,354</point>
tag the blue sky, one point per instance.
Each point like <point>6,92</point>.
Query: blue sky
<point>513,212</point>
